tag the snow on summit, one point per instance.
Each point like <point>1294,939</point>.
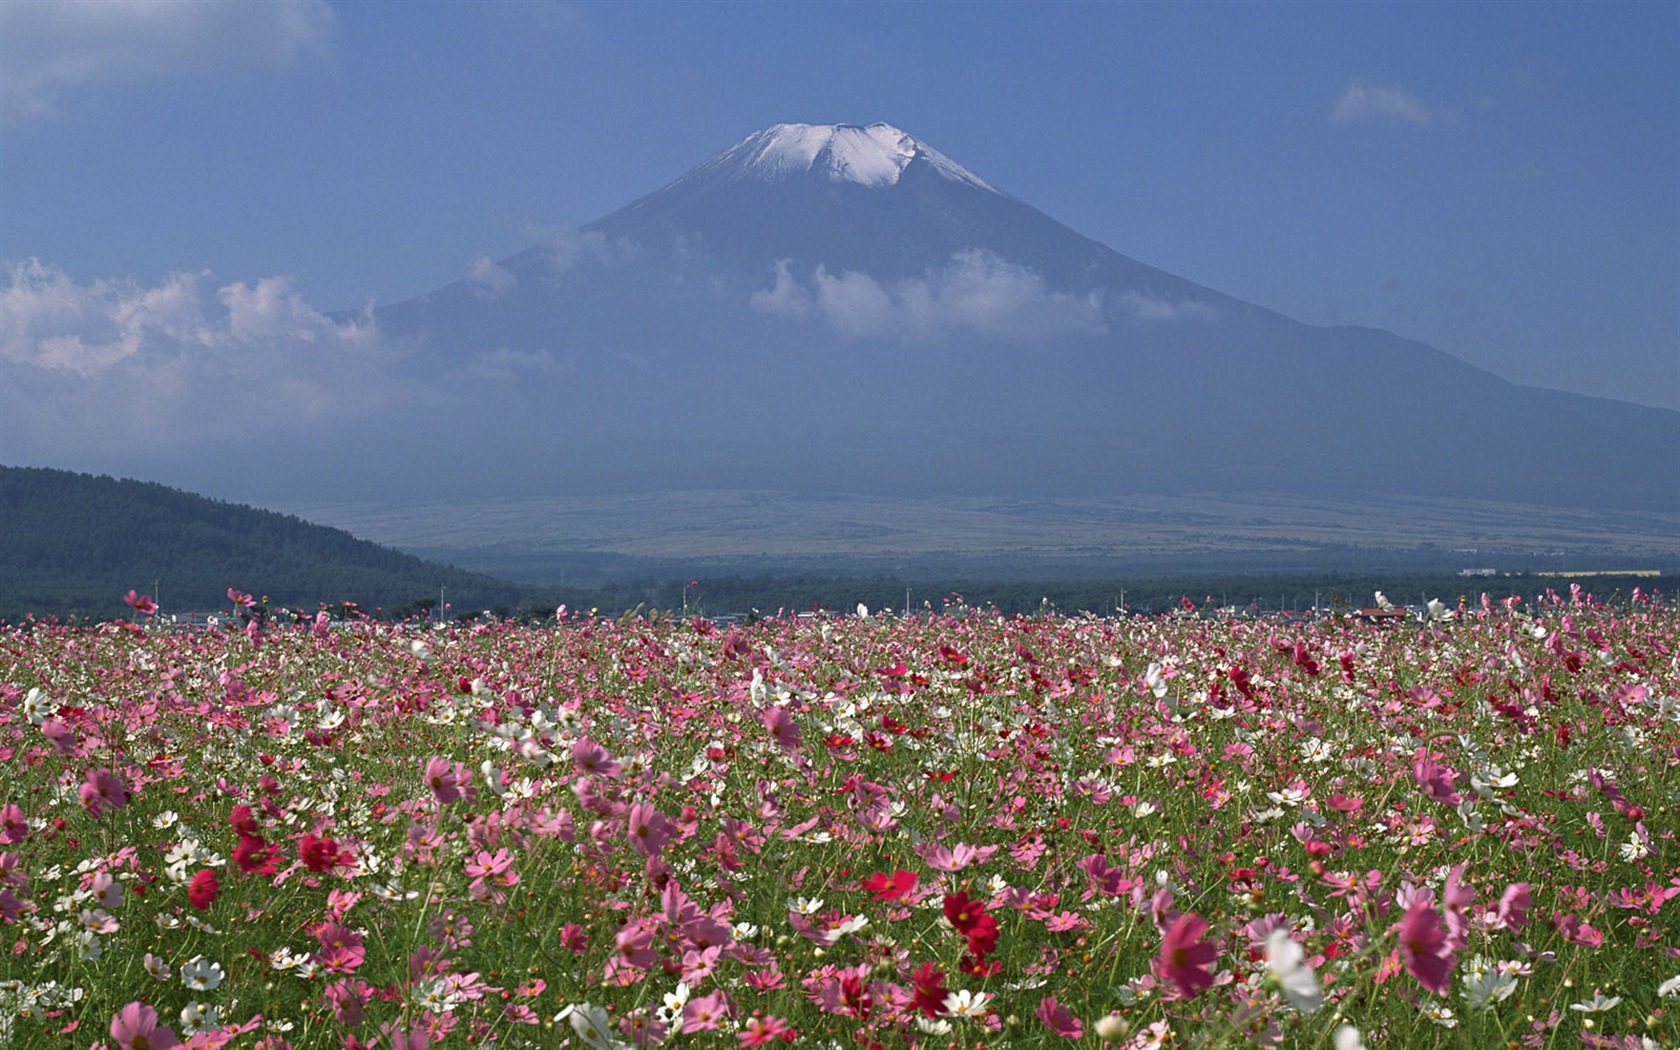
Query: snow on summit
<point>870,156</point>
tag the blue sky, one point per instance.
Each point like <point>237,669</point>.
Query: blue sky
<point>1501,181</point>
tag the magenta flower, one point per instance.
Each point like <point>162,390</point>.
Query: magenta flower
<point>593,759</point>
<point>1056,1017</point>
<point>341,948</point>
<point>1436,781</point>
<point>135,1027</point>
<point>14,826</point>
<point>704,1014</point>
<point>1514,906</point>
<point>782,728</point>
<point>756,1031</point>
<point>1185,957</point>
<point>649,829</point>
<point>634,946</point>
<point>446,780</point>
<point>1425,949</point>
<point>348,999</point>
<point>103,790</point>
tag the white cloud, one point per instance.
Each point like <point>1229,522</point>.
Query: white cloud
<point>54,53</point>
<point>978,291</point>
<point>787,297</point>
<point>1362,101</point>
<point>503,364</point>
<point>89,365</point>
<point>489,280</point>
<point>858,306</point>
<point>1147,306</point>
<point>567,246</point>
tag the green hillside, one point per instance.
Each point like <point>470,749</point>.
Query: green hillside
<point>74,544</point>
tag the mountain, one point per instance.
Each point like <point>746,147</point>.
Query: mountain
<point>832,308</point>
<point>75,543</point>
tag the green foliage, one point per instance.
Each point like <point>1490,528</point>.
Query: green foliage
<point>73,544</point>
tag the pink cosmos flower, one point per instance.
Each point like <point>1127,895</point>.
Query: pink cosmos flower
<point>348,999</point>
<point>143,604</point>
<point>704,1014</point>
<point>135,1027</point>
<point>103,790</point>
<point>649,829</point>
<point>1056,1017</point>
<point>447,781</point>
<point>635,946</point>
<point>1424,947</point>
<point>14,827</point>
<point>756,1031</point>
<point>1514,906</point>
<point>1437,781</point>
<point>341,948</point>
<point>591,758</point>
<point>1185,957</point>
<point>782,728</point>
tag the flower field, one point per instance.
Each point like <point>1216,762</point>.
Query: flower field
<point>946,830</point>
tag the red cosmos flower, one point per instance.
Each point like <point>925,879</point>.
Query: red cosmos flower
<point>929,984</point>
<point>202,891</point>
<point>320,855</point>
<point>254,856</point>
<point>244,821</point>
<point>1185,957</point>
<point>890,887</point>
<point>972,921</point>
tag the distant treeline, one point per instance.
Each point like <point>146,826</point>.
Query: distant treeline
<point>1260,593</point>
<point>74,544</point>
<point>767,595</point>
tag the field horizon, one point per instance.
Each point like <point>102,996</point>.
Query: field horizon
<point>591,538</point>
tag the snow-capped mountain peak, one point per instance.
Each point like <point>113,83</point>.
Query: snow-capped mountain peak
<point>876,155</point>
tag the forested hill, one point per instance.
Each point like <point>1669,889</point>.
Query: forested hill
<point>75,544</point>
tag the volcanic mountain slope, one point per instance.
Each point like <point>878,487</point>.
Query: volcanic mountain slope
<point>841,308</point>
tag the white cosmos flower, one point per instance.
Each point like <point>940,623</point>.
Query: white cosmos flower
<point>1299,983</point>
<point>196,1017</point>
<point>966,1003</point>
<point>1348,1038</point>
<point>593,1026</point>
<point>201,975</point>
<point>1669,987</point>
<point>675,1001</point>
<point>1484,988</point>
<point>1597,1004</point>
